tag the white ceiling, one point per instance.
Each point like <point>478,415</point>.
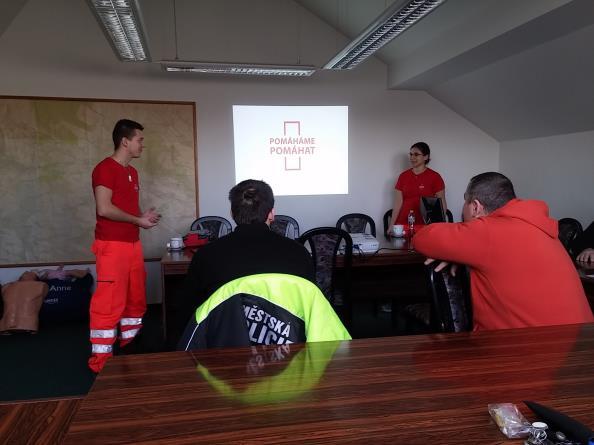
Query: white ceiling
<point>515,68</point>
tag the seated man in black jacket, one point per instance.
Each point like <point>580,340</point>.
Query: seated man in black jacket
<point>252,248</point>
<point>584,244</point>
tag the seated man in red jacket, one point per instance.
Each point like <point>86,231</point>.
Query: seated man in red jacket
<point>519,271</point>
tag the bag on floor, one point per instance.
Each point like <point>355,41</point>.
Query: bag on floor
<point>68,298</point>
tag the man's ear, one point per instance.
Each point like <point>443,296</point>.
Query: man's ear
<point>478,209</point>
<point>270,216</point>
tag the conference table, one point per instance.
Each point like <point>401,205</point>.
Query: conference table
<point>391,251</point>
<point>401,390</point>
<point>174,266</point>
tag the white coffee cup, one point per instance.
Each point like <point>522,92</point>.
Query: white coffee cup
<point>175,243</point>
<point>398,229</point>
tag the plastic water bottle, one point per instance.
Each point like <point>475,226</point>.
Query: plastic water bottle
<point>411,223</point>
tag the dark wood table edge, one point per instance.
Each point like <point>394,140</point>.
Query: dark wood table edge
<point>45,420</point>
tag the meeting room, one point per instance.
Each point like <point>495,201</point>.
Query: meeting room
<point>305,221</point>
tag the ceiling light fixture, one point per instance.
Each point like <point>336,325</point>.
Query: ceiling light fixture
<point>122,25</point>
<point>396,19</point>
<point>238,69</point>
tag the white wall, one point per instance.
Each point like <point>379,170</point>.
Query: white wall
<point>383,125</point>
<point>557,169</point>
<point>44,60</point>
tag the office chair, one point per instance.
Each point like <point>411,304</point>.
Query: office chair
<point>569,230</point>
<point>584,240</point>
<point>286,226</point>
<point>449,216</point>
<point>387,221</point>
<point>325,244</point>
<point>451,309</point>
<point>432,210</point>
<point>356,223</point>
<point>217,226</point>
<point>388,217</point>
<point>301,311</point>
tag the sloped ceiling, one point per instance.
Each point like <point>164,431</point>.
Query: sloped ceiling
<point>8,11</point>
<point>516,69</point>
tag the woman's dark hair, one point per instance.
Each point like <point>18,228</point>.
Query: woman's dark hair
<point>423,148</point>
<point>124,128</point>
<point>251,201</point>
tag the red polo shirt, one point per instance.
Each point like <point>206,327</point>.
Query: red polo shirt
<point>123,182</point>
<point>413,187</point>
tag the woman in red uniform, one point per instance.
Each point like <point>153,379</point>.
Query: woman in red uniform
<point>414,183</point>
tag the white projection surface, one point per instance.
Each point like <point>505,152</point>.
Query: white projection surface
<point>298,150</point>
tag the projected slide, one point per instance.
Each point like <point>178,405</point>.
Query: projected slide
<point>297,150</point>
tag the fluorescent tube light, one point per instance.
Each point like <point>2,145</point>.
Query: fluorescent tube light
<point>122,25</point>
<point>393,21</point>
<point>238,69</point>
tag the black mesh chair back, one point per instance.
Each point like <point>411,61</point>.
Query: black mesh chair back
<point>569,230</point>
<point>451,304</point>
<point>388,217</point>
<point>356,223</point>
<point>449,216</point>
<point>217,226</point>
<point>325,244</point>
<point>286,226</point>
<point>387,221</point>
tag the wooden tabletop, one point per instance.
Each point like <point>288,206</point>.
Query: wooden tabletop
<point>36,421</point>
<point>431,389</point>
<point>176,262</point>
<point>393,251</point>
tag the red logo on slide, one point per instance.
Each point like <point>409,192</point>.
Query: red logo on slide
<point>292,145</point>
<point>292,125</point>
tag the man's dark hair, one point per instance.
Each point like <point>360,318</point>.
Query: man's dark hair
<point>251,201</point>
<point>124,128</point>
<point>491,189</point>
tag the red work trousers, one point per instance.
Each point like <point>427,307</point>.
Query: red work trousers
<point>120,297</point>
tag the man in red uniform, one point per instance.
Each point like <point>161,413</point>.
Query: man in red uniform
<point>120,295</point>
<point>520,273</point>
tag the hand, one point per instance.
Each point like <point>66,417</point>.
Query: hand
<point>145,222</point>
<point>151,215</point>
<point>587,256</point>
<point>149,219</point>
<point>442,265</point>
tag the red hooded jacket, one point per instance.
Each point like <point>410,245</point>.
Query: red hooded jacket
<point>520,273</point>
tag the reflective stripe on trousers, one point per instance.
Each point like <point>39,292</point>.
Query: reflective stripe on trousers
<point>131,333</point>
<point>103,333</point>
<point>101,349</point>
<point>130,321</point>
